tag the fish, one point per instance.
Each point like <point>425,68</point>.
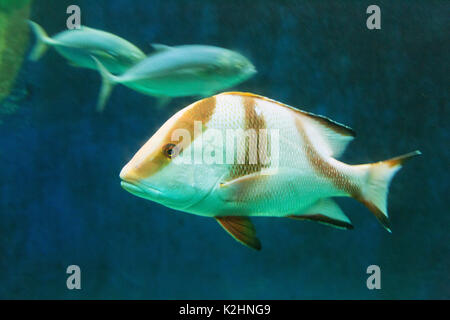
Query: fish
<point>186,70</point>
<point>78,46</point>
<point>296,177</point>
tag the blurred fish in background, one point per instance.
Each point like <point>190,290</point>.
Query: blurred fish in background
<point>188,70</point>
<point>78,45</point>
<point>13,42</point>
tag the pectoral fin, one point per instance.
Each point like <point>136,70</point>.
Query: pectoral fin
<point>99,54</point>
<point>248,179</point>
<point>325,211</point>
<point>162,102</point>
<point>241,229</point>
<point>254,185</point>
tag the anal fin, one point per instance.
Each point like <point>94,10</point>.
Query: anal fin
<point>325,211</point>
<point>241,229</point>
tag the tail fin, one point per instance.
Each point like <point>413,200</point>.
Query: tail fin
<point>374,192</point>
<point>108,83</point>
<point>42,41</point>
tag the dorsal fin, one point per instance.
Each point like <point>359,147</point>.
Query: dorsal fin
<point>329,136</point>
<point>158,47</point>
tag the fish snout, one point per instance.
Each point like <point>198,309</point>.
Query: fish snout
<point>128,174</point>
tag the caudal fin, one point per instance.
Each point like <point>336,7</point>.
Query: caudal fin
<point>108,83</point>
<point>42,41</point>
<point>374,192</point>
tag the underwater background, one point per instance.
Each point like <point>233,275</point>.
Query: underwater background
<point>60,197</point>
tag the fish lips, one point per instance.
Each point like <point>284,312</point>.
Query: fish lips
<point>153,194</point>
<point>252,70</point>
<point>141,191</point>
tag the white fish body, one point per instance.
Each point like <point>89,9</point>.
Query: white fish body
<point>298,185</point>
<point>79,45</point>
<point>188,70</point>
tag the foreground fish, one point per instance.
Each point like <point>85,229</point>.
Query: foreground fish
<point>190,70</point>
<point>295,180</point>
<point>79,45</point>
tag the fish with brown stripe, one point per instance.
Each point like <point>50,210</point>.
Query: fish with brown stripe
<point>192,165</point>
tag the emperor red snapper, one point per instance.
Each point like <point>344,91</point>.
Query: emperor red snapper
<point>298,184</point>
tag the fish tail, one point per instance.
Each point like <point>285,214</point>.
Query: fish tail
<point>373,193</point>
<point>108,83</point>
<point>42,41</point>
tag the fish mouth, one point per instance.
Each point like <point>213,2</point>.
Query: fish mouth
<point>151,193</point>
<point>252,70</point>
<point>140,190</point>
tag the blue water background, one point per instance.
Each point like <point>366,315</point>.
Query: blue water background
<point>60,198</point>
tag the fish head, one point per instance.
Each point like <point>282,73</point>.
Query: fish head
<point>155,173</point>
<point>235,66</point>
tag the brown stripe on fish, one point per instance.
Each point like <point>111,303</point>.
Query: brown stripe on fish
<point>323,168</point>
<point>200,111</point>
<point>255,121</point>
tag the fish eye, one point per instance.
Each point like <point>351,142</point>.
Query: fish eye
<point>170,151</point>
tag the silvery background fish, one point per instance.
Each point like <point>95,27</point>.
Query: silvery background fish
<point>188,70</point>
<point>300,186</point>
<point>79,45</point>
